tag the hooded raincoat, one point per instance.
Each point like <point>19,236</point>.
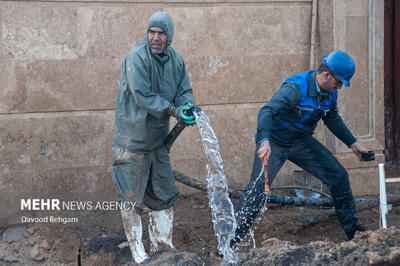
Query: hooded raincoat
<point>149,84</point>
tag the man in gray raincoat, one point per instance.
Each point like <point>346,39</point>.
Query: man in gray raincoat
<point>153,86</point>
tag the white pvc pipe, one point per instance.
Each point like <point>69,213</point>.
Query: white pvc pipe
<point>382,194</point>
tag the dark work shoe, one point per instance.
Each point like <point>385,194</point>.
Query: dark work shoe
<point>350,234</point>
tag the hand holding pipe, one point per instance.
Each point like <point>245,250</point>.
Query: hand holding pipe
<point>184,114</point>
<point>179,127</point>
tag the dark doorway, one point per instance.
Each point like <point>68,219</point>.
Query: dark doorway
<point>392,87</point>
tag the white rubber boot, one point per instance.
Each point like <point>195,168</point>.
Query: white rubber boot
<point>160,228</point>
<point>133,231</point>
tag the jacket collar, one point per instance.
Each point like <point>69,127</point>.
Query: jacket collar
<point>312,88</point>
<point>161,58</point>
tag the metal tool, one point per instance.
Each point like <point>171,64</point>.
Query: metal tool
<point>267,190</point>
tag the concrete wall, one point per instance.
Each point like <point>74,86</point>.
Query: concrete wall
<point>60,63</point>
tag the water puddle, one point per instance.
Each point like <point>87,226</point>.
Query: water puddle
<point>223,216</point>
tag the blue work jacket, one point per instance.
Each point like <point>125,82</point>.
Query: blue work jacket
<point>294,111</point>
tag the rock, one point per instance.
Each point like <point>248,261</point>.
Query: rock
<point>16,247</point>
<point>34,239</point>
<point>31,230</point>
<point>31,241</point>
<point>374,258</point>
<point>394,233</point>
<point>40,250</point>
<point>123,244</point>
<point>35,253</point>
<point>320,244</point>
<point>345,248</point>
<point>14,233</point>
<point>377,236</point>
<point>362,235</point>
<point>25,242</point>
<point>44,244</point>
<point>394,256</point>
<point>270,242</point>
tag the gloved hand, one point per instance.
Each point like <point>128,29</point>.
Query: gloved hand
<point>183,115</point>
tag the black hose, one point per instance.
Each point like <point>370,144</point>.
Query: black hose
<point>173,135</point>
<point>178,128</point>
<point>235,193</point>
<point>201,186</point>
<point>282,200</point>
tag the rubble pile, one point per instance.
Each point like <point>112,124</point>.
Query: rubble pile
<point>380,247</point>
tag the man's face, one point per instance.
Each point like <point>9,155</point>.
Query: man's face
<point>330,82</point>
<point>157,40</point>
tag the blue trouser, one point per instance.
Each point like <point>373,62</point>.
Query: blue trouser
<point>313,157</point>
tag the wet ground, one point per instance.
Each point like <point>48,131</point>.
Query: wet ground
<point>279,239</point>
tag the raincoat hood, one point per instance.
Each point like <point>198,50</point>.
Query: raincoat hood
<point>163,21</point>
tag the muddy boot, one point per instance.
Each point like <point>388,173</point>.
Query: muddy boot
<point>160,230</point>
<point>357,228</point>
<point>133,231</point>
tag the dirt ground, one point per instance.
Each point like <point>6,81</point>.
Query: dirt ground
<point>279,239</point>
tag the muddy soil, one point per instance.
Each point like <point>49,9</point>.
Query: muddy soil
<point>279,239</point>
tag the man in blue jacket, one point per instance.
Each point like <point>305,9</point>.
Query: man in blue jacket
<point>285,127</point>
<point>153,86</point>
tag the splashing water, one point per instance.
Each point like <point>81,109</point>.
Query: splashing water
<point>250,238</point>
<point>217,188</point>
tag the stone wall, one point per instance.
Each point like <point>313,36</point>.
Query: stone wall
<point>60,63</point>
